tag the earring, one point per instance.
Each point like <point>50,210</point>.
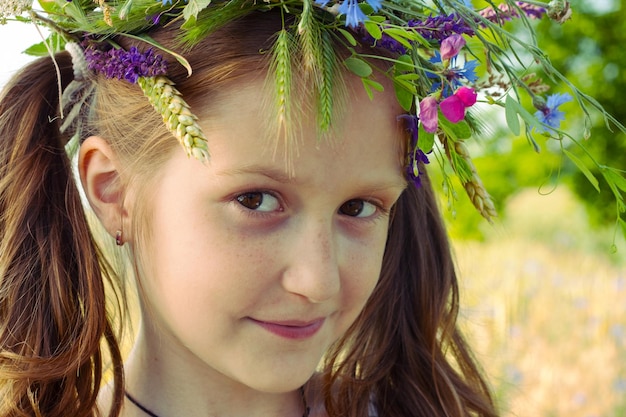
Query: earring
<point>118,238</point>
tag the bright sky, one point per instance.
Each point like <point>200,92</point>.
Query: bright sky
<point>15,38</point>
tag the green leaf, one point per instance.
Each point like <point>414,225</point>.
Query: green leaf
<point>581,166</point>
<point>348,36</point>
<point>375,85</point>
<point>125,9</point>
<point>407,85</point>
<point>38,49</point>
<point>613,176</point>
<point>401,33</point>
<point>404,96</point>
<point>377,19</point>
<point>371,84</point>
<point>530,119</point>
<point>358,67</point>
<point>373,29</point>
<point>425,140</point>
<point>49,7</point>
<point>54,41</point>
<point>511,115</point>
<point>191,10</point>
<point>460,130</point>
<point>368,90</point>
<point>404,63</point>
<point>409,77</point>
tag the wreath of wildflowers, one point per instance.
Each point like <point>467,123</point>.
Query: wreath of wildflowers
<point>443,57</point>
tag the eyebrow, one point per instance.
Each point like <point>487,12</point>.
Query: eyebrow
<point>269,172</point>
<point>285,178</point>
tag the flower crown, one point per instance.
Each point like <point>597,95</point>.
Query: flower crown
<point>443,57</point>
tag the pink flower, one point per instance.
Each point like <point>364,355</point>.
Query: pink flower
<point>451,46</point>
<point>467,95</point>
<point>428,114</point>
<point>453,107</point>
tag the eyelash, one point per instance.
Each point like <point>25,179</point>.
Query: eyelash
<point>381,211</point>
<point>257,213</point>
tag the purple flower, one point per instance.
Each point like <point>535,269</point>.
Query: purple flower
<point>428,114</point>
<point>125,65</point>
<point>441,27</point>
<point>417,157</point>
<point>548,113</point>
<point>451,46</point>
<point>506,12</point>
<point>385,42</point>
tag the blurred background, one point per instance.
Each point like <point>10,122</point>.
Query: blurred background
<point>544,287</point>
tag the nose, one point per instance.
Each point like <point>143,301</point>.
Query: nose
<point>313,267</point>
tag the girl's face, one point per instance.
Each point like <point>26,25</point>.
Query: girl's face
<point>253,271</point>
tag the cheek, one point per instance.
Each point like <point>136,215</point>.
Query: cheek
<point>362,271</point>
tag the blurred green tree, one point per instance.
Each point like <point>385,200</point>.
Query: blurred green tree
<point>594,60</point>
<point>588,50</point>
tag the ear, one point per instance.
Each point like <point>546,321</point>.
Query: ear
<point>100,176</point>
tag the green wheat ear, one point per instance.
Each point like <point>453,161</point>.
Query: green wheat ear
<point>280,79</point>
<point>330,83</point>
<point>319,63</point>
<point>177,115</point>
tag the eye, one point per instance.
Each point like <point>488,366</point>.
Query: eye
<point>259,201</point>
<point>358,208</point>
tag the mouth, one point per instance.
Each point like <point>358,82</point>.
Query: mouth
<point>292,329</point>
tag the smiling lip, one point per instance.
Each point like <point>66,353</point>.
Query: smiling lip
<point>292,329</point>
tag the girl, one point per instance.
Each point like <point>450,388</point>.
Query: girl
<point>284,265</point>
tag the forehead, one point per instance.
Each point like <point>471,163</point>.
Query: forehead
<point>365,132</point>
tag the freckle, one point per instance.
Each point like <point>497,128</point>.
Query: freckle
<point>326,247</point>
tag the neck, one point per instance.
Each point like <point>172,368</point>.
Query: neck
<point>170,384</point>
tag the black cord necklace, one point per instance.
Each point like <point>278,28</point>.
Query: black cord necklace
<point>137,404</point>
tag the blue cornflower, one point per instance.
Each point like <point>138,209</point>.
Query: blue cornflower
<point>352,11</point>
<point>454,74</point>
<point>354,14</point>
<point>322,3</point>
<point>549,113</point>
<point>374,4</point>
<point>168,2</point>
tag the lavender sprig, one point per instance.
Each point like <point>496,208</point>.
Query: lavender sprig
<point>506,12</point>
<point>125,65</point>
<point>441,27</point>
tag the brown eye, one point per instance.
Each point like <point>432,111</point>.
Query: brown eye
<point>250,200</point>
<point>259,201</point>
<point>352,208</point>
<point>357,208</point>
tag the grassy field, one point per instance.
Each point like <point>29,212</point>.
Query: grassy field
<point>544,304</point>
